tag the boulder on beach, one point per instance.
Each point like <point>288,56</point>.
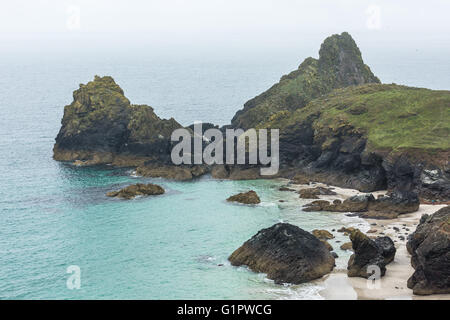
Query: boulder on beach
<point>387,207</point>
<point>300,179</point>
<point>346,246</point>
<point>429,247</point>
<point>138,189</point>
<point>369,253</point>
<point>250,197</point>
<point>387,247</point>
<point>286,253</point>
<point>322,234</point>
<point>314,193</point>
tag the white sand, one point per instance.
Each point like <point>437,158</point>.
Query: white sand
<point>393,284</point>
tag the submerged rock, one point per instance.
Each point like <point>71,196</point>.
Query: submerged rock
<point>138,189</point>
<point>369,253</point>
<point>286,253</point>
<point>429,247</point>
<point>250,197</point>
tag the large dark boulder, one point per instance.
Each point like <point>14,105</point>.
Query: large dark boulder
<point>429,247</point>
<point>286,253</point>
<point>368,253</point>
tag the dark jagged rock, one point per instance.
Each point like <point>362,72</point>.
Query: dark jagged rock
<point>101,125</point>
<point>367,253</point>
<point>314,193</point>
<point>138,189</point>
<point>429,247</point>
<point>387,248</point>
<point>286,253</point>
<point>249,197</point>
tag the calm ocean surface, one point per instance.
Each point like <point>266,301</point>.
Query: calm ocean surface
<point>53,215</point>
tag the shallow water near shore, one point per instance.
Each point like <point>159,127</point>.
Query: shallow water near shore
<point>53,215</point>
<point>170,246</point>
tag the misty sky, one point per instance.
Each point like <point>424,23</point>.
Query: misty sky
<point>127,25</point>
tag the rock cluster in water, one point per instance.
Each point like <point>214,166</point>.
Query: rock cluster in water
<point>429,247</point>
<point>250,197</point>
<point>286,253</point>
<point>138,189</point>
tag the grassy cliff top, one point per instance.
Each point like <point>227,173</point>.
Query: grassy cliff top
<point>340,64</point>
<point>392,117</point>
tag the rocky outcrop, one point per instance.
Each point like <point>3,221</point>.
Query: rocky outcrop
<point>339,65</point>
<point>386,207</point>
<point>369,253</point>
<point>338,125</point>
<point>250,197</point>
<point>138,189</point>
<point>286,253</point>
<point>101,123</point>
<point>429,247</point>
<point>314,193</point>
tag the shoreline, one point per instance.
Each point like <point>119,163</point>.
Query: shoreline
<point>393,285</point>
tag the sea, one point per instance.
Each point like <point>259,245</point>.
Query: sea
<point>55,217</point>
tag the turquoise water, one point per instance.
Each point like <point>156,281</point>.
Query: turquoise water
<point>53,215</point>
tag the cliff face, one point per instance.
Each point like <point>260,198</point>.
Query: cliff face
<point>101,124</point>
<point>372,137</point>
<point>337,124</point>
<point>339,65</point>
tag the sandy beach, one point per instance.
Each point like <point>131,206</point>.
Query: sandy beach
<point>393,285</point>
